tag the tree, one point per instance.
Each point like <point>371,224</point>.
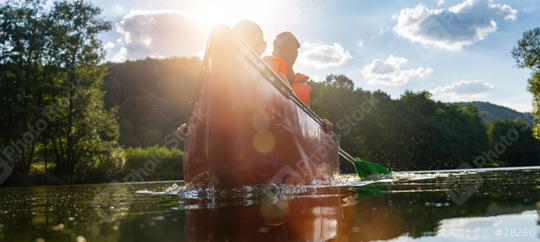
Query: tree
<point>527,55</point>
<point>26,77</point>
<point>83,135</point>
<point>514,143</point>
<point>527,50</point>
<point>52,80</point>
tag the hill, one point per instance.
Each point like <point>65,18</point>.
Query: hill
<point>495,112</point>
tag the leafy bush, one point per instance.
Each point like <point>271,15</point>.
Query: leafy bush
<point>151,164</point>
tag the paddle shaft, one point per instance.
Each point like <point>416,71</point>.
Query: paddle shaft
<point>317,119</point>
<point>313,115</point>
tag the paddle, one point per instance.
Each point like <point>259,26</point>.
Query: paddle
<point>364,168</point>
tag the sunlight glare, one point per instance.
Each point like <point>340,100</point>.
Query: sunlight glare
<point>212,12</point>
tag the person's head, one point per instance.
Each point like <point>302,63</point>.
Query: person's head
<point>251,34</point>
<point>286,46</point>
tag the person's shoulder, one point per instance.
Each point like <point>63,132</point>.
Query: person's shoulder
<point>301,76</point>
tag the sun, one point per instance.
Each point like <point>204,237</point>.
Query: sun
<point>212,12</point>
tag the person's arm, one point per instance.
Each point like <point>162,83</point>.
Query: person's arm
<point>327,125</point>
<point>182,130</point>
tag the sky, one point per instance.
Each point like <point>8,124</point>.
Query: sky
<point>458,50</point>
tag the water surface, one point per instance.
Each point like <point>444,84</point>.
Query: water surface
<point>472,205</point>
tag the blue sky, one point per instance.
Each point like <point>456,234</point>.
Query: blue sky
<point>459,50</point>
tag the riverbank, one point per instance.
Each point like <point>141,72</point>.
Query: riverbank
<point>141,164</point>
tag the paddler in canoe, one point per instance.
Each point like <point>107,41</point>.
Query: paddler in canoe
<point>247,126</point>
<point>282,60</point>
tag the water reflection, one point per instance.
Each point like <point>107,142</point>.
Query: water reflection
<point>505,208</point>
<point>314,218</point>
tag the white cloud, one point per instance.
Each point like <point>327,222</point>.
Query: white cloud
<point>158,34</point>
<point>319,55</point>
<point>440,2</point>
<point>463,90</point>
<point>390,71</point>
<point>454,28</point>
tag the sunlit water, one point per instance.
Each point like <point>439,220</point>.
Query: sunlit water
<point>472,205</point>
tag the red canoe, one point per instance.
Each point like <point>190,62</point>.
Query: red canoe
<point>246,129</point>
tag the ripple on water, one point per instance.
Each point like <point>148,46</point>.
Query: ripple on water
<point>194,197</point>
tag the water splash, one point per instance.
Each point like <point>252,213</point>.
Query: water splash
<point>195,197</point>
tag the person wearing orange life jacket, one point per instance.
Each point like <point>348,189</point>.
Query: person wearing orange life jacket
<point>282,60</point>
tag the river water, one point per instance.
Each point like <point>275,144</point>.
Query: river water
<point>472,205</point>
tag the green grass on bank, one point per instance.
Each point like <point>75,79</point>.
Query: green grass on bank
<point>152,164</point>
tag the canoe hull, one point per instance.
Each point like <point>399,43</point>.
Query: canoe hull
<point>245,131</point>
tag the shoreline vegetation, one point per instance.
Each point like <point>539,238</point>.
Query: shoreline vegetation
<point>68,118</point>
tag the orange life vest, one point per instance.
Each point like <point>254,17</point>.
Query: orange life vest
<point>300,85</point>
<point>301,88</point>
<point>278,65</point>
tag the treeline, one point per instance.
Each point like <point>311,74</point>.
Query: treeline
<point>412,132</point>
<point>415,132</point>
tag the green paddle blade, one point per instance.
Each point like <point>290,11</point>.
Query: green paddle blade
<point>366,168</point>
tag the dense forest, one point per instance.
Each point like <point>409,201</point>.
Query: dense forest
<point>152,97</point>
<point>66,117</point>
